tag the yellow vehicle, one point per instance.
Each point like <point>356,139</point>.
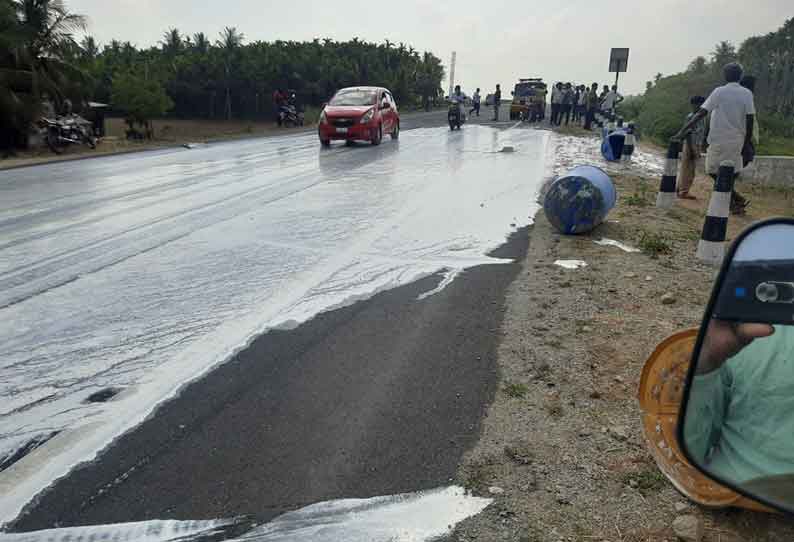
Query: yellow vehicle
<point>529,100</point>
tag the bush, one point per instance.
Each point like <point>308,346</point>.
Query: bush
<point>141,99</point>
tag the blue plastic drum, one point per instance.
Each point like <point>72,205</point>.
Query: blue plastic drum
<point>580,200</point>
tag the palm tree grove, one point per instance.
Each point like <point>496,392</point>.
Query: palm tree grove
<point>42,55</point>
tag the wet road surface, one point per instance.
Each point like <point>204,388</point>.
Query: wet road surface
<point>134,275</point>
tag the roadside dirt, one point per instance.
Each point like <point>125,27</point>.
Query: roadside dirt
<point>561,449</point>
<point>167,133</point>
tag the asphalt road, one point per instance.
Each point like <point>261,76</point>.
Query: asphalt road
<point>379,397</point>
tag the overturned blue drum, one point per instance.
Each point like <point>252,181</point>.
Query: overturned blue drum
<point>579,200</point>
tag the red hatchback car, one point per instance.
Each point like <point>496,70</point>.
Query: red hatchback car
<point>360,113</point>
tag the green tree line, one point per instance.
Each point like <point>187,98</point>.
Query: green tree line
<point>661,110</point>
<point>192,76</point>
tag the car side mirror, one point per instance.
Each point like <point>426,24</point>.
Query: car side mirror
<point>385,105</point>
<point>736,419</point>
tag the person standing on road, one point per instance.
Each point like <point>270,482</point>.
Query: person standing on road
<point>611,99</point>
<point>566,105</point>
<point>497,101</point>
<point>581,104</point>
<point>577,93</point>
<point>731,127</point>
<point>556,103</point>
<point>603,94</point>
<point>278,102</point>
<point>693,142</point>
<point>475,103</point>
<point>591,103</point>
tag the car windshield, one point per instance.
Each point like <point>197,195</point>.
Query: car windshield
<point>354,97</point>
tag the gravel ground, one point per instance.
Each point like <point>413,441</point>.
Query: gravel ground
<point>561,449</point>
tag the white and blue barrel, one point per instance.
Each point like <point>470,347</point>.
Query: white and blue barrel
<point>628,144</point>
<point>666,196</point>
<point>579,200</point>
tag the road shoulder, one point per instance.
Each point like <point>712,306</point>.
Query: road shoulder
<point>561,449</point>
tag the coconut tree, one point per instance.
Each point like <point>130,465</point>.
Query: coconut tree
<point>230,43</point>
<point>45,30</point>
<point>36,46</point>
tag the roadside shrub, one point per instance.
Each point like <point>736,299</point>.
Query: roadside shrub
<point>654,244</point>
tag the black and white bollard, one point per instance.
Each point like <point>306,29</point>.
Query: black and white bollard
<point>711,247</point>
<point>666,196</point>
<point>628,144</point>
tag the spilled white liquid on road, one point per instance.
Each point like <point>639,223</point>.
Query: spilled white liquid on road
<point>407,517</point>
<point>143,272</point>
<point>570,264</point>
<point>410,517</point>
<point>139,531</point>
<point>613,243</point>
<point>572,151</point>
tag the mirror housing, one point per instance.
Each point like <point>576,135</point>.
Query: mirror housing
<point>385,105</point>
<point>736,421</point>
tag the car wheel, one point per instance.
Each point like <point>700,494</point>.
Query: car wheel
<point>376,138</point>
<point>395,134</point>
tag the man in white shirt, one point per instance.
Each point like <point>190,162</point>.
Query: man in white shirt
<point>475,103</point>
<point>611,100</point>
<point>731,126</point>
<point>556,103</point>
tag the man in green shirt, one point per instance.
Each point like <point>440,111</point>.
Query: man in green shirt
<point>739,423</point>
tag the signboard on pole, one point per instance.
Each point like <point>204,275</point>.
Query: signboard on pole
<point>619,60</point>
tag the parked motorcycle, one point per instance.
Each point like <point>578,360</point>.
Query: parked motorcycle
<point>716,401</point>
<point>62,131</point>
<point>455,115</point>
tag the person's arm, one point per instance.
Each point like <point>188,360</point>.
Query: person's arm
<point>748,137</point>
<point>725,340</point>
<point>688,125</point>
<point>750,119</point>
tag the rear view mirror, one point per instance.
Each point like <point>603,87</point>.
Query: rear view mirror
<point>385,105</point>
<point>736,420</point>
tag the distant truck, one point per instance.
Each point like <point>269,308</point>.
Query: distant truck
<point>529,100</point>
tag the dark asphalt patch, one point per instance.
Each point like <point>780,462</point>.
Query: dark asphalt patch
<point>102,395</point>
<point>377,398</point>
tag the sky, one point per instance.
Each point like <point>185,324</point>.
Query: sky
<point>496,41</point>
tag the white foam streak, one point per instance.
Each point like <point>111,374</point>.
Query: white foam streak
<point>142,531</point>
<point>410,517</point>
<point>612,243</point>
<point>570,264</point>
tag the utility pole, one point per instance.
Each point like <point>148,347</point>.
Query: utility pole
<point>452,74</point>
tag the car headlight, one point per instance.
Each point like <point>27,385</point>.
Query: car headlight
<point>323,118</point>
<point>367,116</point>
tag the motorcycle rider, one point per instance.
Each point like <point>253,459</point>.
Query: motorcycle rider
<point>460,99</point>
